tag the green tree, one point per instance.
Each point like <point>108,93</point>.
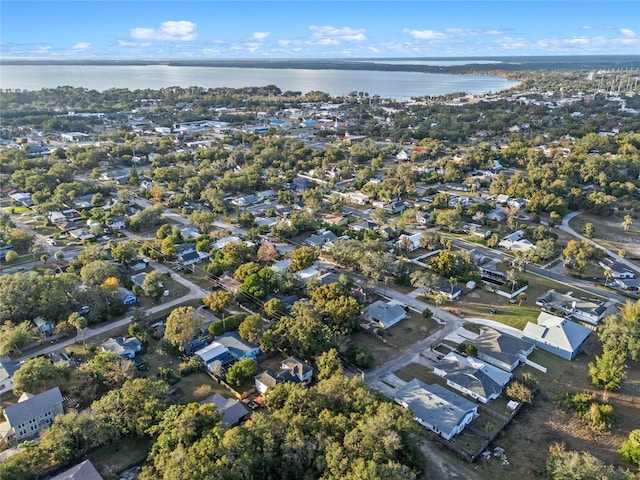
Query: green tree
<point>302,257</point>
<point>79,323</point>
<point>181,326</point>
<point>11,256</point>
<point>341,311</point>
<point>329,364</point>
<point>124,252</point>
<point>626,222</point>
<point>571,465</point>
<point>520,392</point>
<point>14,337</point>
<point>630,449</point>
<point>132,409</point>
<point>218,300</point>
<point>37,375</point>
<point>251,329</point>
<point>242,370</point>
<point>274,308</point>
<point>153,284</point>
<point>588,230</point>
<point>607,371</point>
<point>96,272</point>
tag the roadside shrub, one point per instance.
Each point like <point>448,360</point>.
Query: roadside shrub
<point>427,313</point>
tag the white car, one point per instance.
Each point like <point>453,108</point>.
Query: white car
<point>52,242</point>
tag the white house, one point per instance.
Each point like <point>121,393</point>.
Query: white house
<point>436,408</point>
<point>32,414</point>
<point>471,376</point>
<point>409,242</point>
<point>516,241</point>
<point>557,335</point>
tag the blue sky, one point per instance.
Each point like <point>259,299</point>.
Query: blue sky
<point>312,29</point>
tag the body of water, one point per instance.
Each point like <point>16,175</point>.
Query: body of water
<point>398,85</point>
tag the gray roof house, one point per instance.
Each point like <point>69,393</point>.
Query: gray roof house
<point>123,347</point>
<point>471,376</point>
<point>291,370</point>
<point>436,408</point>
<point>232,410</point>
<point>557,335</point>
<point>7,369</point>
<point>127,297</point>
<point>82,471</point>
<point>618,270</point>
<point>568,304</point>
<point>31,414</point>
<point>387,315</point>
<point>237,347</point>
<point>501,350</point>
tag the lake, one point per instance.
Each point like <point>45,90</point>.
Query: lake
<point>398,85</point>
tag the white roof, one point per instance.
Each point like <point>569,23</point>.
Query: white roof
<point>211,351</point>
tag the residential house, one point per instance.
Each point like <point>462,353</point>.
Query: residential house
<point>138,278</point>
<point>517,203</point>
<point>126,297</point>
<point>82,471</point>
<point>557,335</point>
<point>116,223</point>
<point>385,314</point>
<point>224,241</point>
<point>361,225</point>
<point>190,258</point>
<point>516,241</point>
<point>571,306</point>
<point>44,327</point>
<point>7,369</point>
<point>471,376</point>
<point>212,353</point>
<point>291,370</point>
<point>244,200</point>
<point>31,415</point>
<point>446,289</point>
<point>185,248</point>
<point>459,200</point>
<point>126,348</point>
<point>321,238</point>
<point>408,243</point>
<point>617,269</point>
<point>497,215</point>
<point>237,347</point>
<point>307,274</point>
<point>501,350</point>
<point>395,207</point>
<point>436,408</point>
<point>629,284</point>
<point>356,198</point>
<point>232,410</point>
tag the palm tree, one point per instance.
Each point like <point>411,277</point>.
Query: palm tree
<point>439,299</point>
<point>521,298</point>
<point>608,274</point>
<point>452,283</point>
<point>512,279</point>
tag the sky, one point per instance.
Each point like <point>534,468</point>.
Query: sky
<point>120,29</point>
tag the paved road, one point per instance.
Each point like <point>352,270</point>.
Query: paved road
<point>566,228</point>
<point>195,293</point>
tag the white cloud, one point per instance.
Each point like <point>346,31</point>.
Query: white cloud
<point>82,46</point>
<point>424,34</point>
<point>493,31</point>
<point>578,41</point>
<point>625,32</point>
<point>260,36</point>
<point>126,44</point>
<point>587,27</point>
<point>284,43</point>
<point>180,30</point>
<point>328,35</point>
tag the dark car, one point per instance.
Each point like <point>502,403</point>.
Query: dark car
<point>493,310</point>
<point>253,405</point>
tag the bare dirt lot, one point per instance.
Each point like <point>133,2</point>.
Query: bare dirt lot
<point>537,427</point>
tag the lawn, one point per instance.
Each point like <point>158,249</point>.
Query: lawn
<point>479,302</point>
<point>413,328</point>
<point>111,459</point>
<point>609,233</point>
